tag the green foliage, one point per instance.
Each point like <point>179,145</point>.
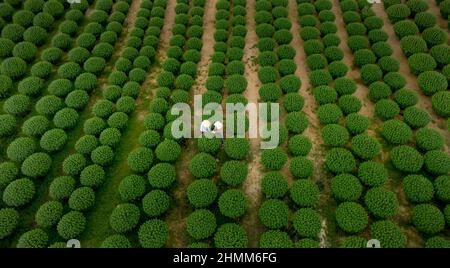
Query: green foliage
<point>442,188</point>
<point>340,160</point>
<point>379,90</point>
<point>237,148</point>
<point>351,217</point>
<point>421,62</point>
<point>82,199</point>
<point>365,146</point>
<point>438,52</point>
<point>344,86</point>
<point>102,155</point>
<point>412,45</point>
<point>293,102</point>
<point>36,165</point>
<point>162,175</point>
<point>418,189</point>
<point>233,172</point>
<point>35,126</point>
<point>201,224</point>
<point>437,162</point>
<point>19,192</point>
<point>429,139</point>
<point>153,234</point>
<point>300,167</point>
<point>8,173</point>
<point>124,218</point>
<point>346,187</point>
<point>416,117</point>
<point>233,203</point>
<point>274,185</point>
<point>299,145</point>
<point>202,165</point>
<point>61,187</point>
<point>371,73</point>
<point>320,78</point>
<point>275,239</point>
<point>329,114</point>
<point>273,214</point>
<point>116,241</point>
<point>372,173</point>
<point>9,219</point>
<point>296,122</point>
<point>389,64</point>
<point>386,109</point>
<point>36,238</point>
<point>381,202</point>
<point>428,219</point>
<point>273,159</point>
<point>131,188</point>
<point>434,36</point>
<point>305,193</point>
<point>406,159</point>
<point>66,118</point>
<point>353,242</point>
<point>168,151</point>
<point>440,103</point>
<point>71,225</point>
<point>155,203</point>
<point>396,132</point>
<point>388,233</point>
<point>140,159</point>
<point>437,242</point>
<point>230,235</point>
<point>92,176</point>
<point>398,12</point>
<point>290,83</point>
<point>13,67</point>
<point>53,140</point>
<point>202,193</point>
<point>13,32</point>
<point>307,222</point>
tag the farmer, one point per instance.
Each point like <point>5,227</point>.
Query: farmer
<point>205,126</point>
<point>217,128</point>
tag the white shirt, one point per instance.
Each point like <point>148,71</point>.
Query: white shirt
<point>205,126</point>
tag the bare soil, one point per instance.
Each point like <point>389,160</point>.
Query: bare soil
<point>252,185</point>
<point>181,209</point>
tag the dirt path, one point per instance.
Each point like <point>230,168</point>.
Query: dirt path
<point>252,185</point>
<point>181,208</point>
<point>317,154</point>
<point>434,9</point>
<point>437,122</point>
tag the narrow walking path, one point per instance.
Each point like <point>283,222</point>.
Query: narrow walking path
<point>252,185</point>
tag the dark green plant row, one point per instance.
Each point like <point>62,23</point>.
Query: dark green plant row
<point>425,45</point>
<point>159,149</point>
<point>31,152</point>
<point>94,151</point>
<point>396,105</point>
<point>444,8</point>
<point>352,153</point>
<point>213,201</point>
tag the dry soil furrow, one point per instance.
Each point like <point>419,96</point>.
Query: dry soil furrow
<point>252,185</point>
<point>437,122</point>
<point>177,216</point>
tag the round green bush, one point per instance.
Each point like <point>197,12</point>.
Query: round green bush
<point>233,172</point>
<point>116,241</point>
<point>140,159</point>
<point>442,188</point>
<point>53,140</point>
<point>275,239</point>
<point>372,173</point>
<point>274,185</point>
<point>412,45</point>
<point>434,36</point>
<point>299,145</point>
<point>389,64</point>
<point>329,114</point>
<point>346,187</point>
<point>66,118</point>
<point>416,117</point>
<point>273,214</point>
<point>202,193</point>
<point>71,225</point>
<point>62,187</point>
<point>388,233</point>
<point>35,126</point>
<point>406,159</point>
<point>131,188</point>
<point>340,160</point>
<point>36,238</point>
<point>9,219</point>
<point>386,109</point>
<point>421,62</point>
<point>230,235</point>
<point>418,189</point>
<point>296,122</point>
<point>378,91</point>
<point>406,98</point>
<point>236,148</point>
<point>8,173</point>
<point>92,176</point>
<point>371,73</point>
<point>431,82</point>
<point>334,135</point>
<point>273,159</point>
<point>36,165</point>
<point>19,192</point>
<point>201,224</point>
<point>381,202</point>
<point>428,219</point>
<point>307,222</point>
<point>396,132</point>
<point>102,155</point>
<point>305,193</point>
<point>320,78</point>
<point>124,217</point>
<point>351,217</point>
<point>202,165</point>
<point>324,95</point>
<point>365,146</point>
<point>155,203</point>
<point>300,167</point>
<point>440,103</point>
<point>162,175</point>
<point>30,86</point>
<point>233,203</point>
<point>168,151</point>
<point>438,52</point>
<point>13,67</point>
<point>353,242</point>
<point>437,162</point>
<point>153,234</point>
<point>437,242</point>
<point>82,199</point>
<point>429,139</point>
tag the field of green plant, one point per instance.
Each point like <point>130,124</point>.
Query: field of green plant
<point>87,149</point>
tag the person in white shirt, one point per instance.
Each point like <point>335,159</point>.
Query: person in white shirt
<point>217,128</point>
<point>205,126</point>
